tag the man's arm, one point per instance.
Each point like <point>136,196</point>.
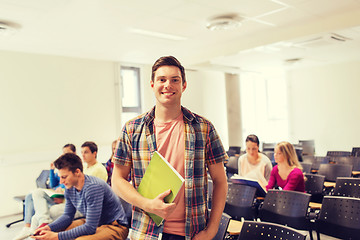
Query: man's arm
<point>220,188</point>
<point>127,192</point>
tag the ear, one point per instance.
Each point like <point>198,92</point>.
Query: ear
<point>77,172</point>
<point>184,86</point>
<point>152,83</point>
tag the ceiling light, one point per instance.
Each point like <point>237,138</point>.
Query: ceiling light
<point>224,22</point>
<point>157,34</point>
<point>6,29</point>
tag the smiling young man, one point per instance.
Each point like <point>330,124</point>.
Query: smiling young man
<point>190,144</point>
<point>104,215</point>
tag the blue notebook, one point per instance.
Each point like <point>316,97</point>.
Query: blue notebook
<point>260,191</point>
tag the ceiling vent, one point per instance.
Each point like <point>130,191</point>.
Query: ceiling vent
<point>331,38</point>
<point>6,29</point>
<point>224,22</point>
<point>292,61</point>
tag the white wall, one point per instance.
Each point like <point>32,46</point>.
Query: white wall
<point>205,95</point>
<point>323,105</point>
<point>46,102</point>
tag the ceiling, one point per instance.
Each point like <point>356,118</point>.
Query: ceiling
<point>272,31</point>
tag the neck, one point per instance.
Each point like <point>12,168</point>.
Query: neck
<point>166,114</point>
<point>91,163</point>
<point>80,183</point>
<point>284,165</point>
<point>253,160</point>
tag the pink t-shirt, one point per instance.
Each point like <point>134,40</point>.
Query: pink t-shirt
<point>170,143</point>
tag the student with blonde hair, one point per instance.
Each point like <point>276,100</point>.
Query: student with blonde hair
<point>287,174</point>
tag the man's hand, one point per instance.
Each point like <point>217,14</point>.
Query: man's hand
<point>44,228</point>
<point>159,207</point>
<point>204,234</point>
<point>46,235</point>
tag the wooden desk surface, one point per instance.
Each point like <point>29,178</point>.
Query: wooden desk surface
<point>355,173</point>
<point>314,205</point>
<point>234,227</point>
<point>329,184</point>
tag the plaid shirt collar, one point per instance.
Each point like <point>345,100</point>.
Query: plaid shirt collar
<point>188,116</point>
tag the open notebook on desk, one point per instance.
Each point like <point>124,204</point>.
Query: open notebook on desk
<point>260,192</point>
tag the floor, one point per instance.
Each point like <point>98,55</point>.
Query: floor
<point>10,233</point>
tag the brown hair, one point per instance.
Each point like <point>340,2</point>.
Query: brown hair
<point>70,161</point>
<point>168,61</point>
<point>71,146</point>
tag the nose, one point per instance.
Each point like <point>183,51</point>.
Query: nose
<point>62,181</point>
<point>167,84</point>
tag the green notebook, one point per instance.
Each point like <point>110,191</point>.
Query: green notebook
<point>159,177</point>
<point>51,193</point>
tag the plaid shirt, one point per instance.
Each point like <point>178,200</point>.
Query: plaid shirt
<point>202,147</point>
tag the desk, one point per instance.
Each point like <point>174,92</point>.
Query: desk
<point>329,184</point>
<point>314,205</point>
<point>355,173</point>
<point>234,227</point>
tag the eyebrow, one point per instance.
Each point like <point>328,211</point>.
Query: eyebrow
<point>170,77</point>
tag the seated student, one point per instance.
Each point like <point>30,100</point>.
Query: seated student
<point>287,174</point>
<point>254,164</point>
<point>37,203</point>
<point>91,165</point>
<point>109,164</point>
<point>104,215</point>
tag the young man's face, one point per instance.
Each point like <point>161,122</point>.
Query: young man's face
<point>68,178</point>
<point>168,85</point>
<point>87,155</point>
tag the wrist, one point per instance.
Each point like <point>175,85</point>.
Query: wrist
<point>211,231</point>
<point>146,206</point>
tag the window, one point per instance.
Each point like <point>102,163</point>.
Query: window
<point>130,93</point>
<point>264,106</point>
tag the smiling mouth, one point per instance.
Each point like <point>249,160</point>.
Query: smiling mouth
<point>168,93</point>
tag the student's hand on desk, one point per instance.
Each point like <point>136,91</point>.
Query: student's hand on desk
<point>159,207</point>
